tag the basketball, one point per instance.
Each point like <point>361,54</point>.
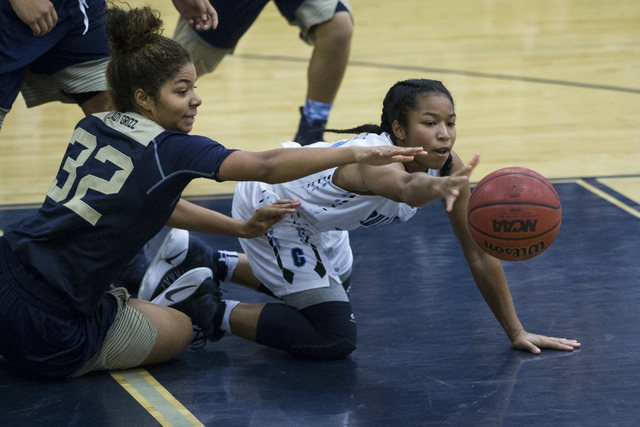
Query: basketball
<point>514,214</point>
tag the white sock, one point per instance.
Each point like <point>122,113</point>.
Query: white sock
<point>231,259</point>
<point>230,305</point>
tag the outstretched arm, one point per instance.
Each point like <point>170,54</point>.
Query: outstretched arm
<point>287,164</point>
<point>492,283</point>
<point>418,193</point>
<point>189,216</point>
<point>395,183</point>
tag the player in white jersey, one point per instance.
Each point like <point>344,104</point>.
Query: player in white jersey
<point>305,259</point>
<point>322,221</point>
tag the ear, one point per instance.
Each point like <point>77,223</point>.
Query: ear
<point>398,131</point>
<point>143,100</point>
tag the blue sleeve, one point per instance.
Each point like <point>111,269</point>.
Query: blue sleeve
<point>174,159</point>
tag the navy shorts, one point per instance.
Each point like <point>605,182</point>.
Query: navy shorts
<point>65,45</point>
<point>235,18</point>
<point>39,332</point>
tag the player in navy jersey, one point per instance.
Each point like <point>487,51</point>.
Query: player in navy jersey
<point>119,183</point>
<point>57,50</point>
<point>305,260</point>
<point>325,24</point>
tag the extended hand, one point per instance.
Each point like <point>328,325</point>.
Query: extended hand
<point>385,154</point>
<point>451,185</point>
<point>268,215</point>
<point>198,13</point>
<point>39,15</point>
<point>532,343</point>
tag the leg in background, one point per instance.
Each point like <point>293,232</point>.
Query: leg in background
<point>330,57</point>
<point>97,104</point>
<point>328,63</point>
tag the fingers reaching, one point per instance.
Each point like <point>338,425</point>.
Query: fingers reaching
<point>466,171</point>
<point>386,154</point>
<point>450,199</point>
<point>474,162</point>
<point>266,216</point>
<point>285,205</point>
<point>452,185</point>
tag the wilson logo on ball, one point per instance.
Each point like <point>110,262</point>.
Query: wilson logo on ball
<point>514,253</point>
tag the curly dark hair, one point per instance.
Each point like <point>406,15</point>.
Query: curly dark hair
<point>141,57</point>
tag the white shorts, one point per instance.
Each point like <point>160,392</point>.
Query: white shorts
<point>290,258</point>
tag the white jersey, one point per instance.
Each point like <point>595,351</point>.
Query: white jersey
<point>317,233</point>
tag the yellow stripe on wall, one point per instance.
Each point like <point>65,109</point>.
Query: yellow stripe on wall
<point>155,398</point>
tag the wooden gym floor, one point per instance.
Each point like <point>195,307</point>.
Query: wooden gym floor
<point>549,85</point>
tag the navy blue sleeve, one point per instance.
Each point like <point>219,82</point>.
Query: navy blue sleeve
<point>174,159</point>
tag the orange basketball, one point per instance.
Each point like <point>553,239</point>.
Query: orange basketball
<point>514,214</point>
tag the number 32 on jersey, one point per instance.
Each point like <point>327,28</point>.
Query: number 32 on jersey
<point>113,186</point>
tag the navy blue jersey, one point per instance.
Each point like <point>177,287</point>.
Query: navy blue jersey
<point>118,184</point>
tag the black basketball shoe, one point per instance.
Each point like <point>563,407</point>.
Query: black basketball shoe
<point>197,294</point>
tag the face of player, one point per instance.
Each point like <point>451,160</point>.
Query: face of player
<point>177,105</point>
<point>432,126</point>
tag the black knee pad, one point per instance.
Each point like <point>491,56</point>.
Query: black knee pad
<point>323,331</point>
<point>334,320</point>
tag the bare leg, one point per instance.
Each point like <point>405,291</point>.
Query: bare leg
<point>243,320</point>
<point>330,57</point>
<point>175,330</point>
<point>243,275</point>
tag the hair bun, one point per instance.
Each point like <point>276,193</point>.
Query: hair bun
<point>130,30</point>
